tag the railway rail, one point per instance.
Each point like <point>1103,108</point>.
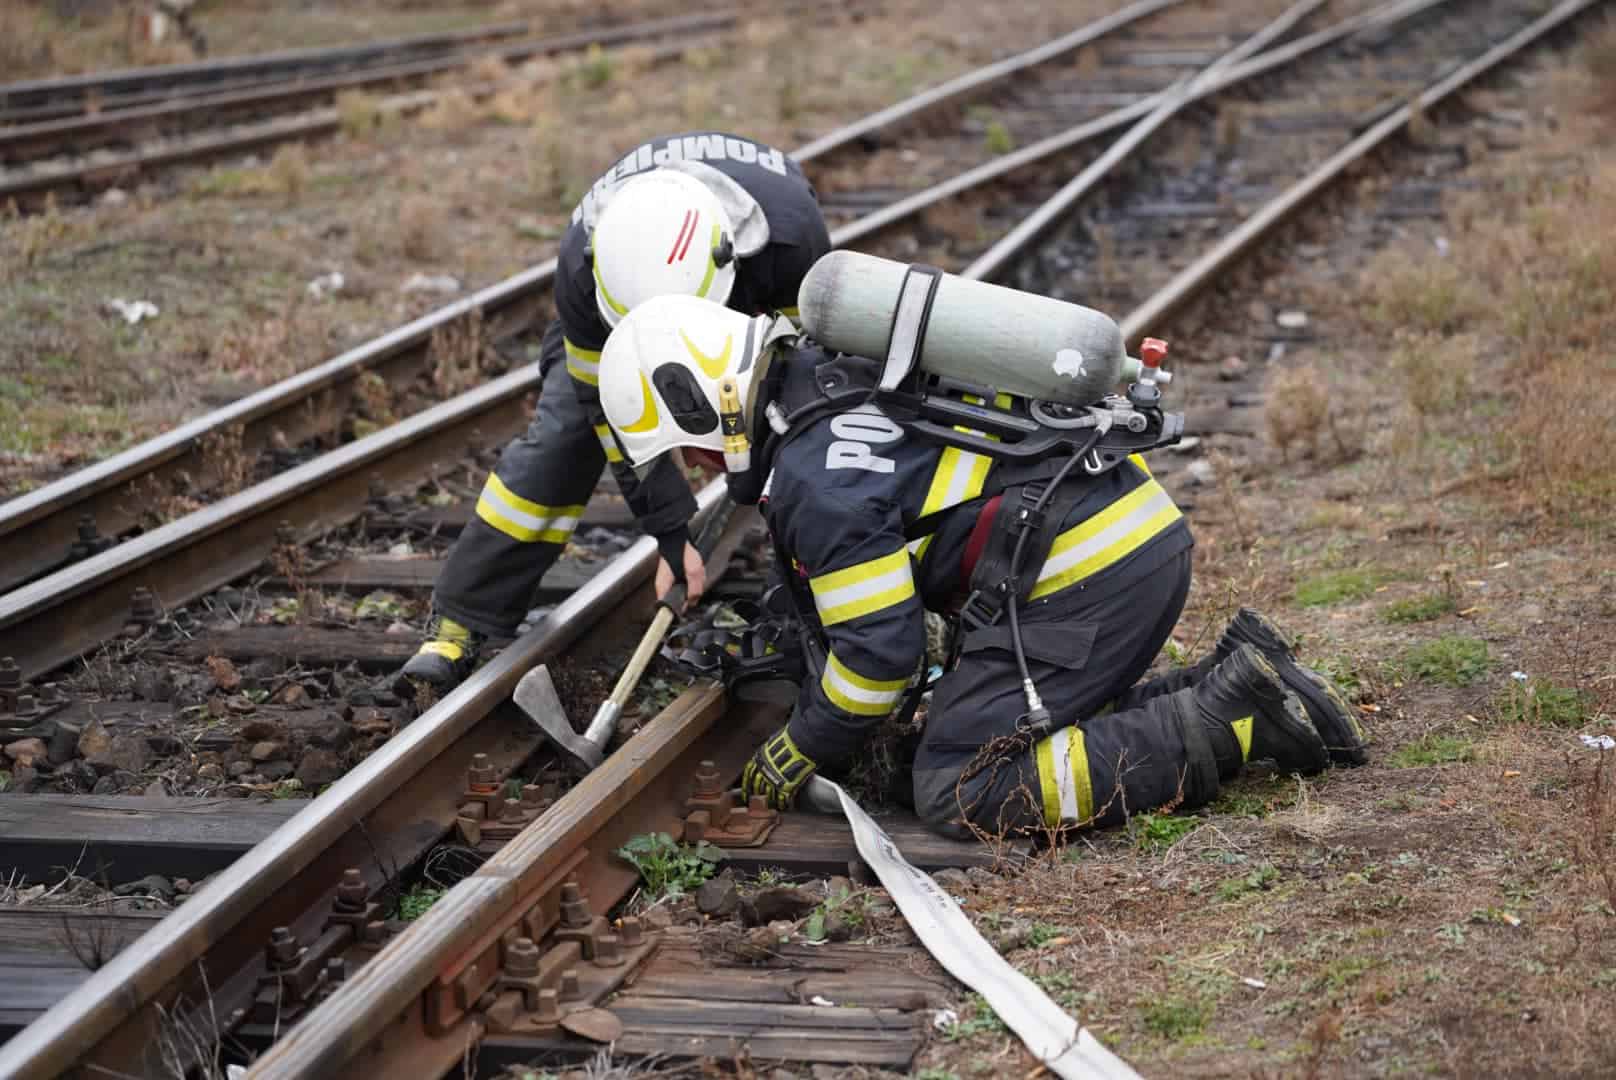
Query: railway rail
<point>489,965</point>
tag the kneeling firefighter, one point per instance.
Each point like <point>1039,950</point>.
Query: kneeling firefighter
<point>979,468</point>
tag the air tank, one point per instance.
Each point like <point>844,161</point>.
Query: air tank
<point>1013,341</point>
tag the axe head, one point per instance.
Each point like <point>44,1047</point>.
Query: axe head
<point>536,696</point>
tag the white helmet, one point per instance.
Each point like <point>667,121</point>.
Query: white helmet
<point>661,232</point>
<point>661,374</point>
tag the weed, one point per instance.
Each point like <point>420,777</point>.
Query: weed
<point>1452,660</point>
<point>1433,750</point>
<point>1425,296</point>
<point>456,354</point>
<point>936,1072</point>
<point>595,69</point>
<point>454,112</point>
<point>1155,833</point>
<point>1539,703</point>
<point>983,1021</point>
<point>381,605</point>
<point>287,789</point>
<point>359,113</point>
<point>1598,55</point>
<point>997,138</point>
<point>1041,934</point>
<point>5,781</point>
<point>287,173</point>
<point>1259,880</point>
<point>414,903</point>
<point>1298,408</point>
<point>1340,670</point>
<point>421,228</point>
<point>1420,608</point>
<point>1337,587</point>
<point>1175,1018</point>
<point>669,868</point>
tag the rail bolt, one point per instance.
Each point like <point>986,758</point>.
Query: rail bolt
<point>336,970</point>
<point>549,1010</point>
<point>51,694</point>
<point>758,807</point>
<point>696,825</point>
<point>522,958</point>
<point>631,931</point>
<point>482,772</point>
<point>707,778</point>
<point>351,892</point>
<point>283,949</point>
<point>87,533</point>
<point>25,705</point>
<point>607,953</point>
<point>511,813</point>
<point>532,796</point>
<point>570,990</point>
<point>10,676</point>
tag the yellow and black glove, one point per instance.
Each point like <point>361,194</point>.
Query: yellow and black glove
<point>777,771</point>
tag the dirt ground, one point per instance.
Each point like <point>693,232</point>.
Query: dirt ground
<point>411,213</point>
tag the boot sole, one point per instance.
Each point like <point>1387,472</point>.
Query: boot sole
<point>1335,720</point>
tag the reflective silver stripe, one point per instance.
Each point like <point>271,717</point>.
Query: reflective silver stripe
<point>863,590</point>
<point>558,523</point>
<point>1114,533</point>
<point>1060,748</point>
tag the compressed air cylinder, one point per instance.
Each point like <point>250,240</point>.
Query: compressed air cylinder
<point>1013,341</point>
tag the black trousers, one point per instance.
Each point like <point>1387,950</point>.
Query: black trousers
<point>973,769</point>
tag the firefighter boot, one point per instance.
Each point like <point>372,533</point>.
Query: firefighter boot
<point>1249,713</point>
<point>1335,719</point>
<point>1170,683</point>
<point>447,655</point>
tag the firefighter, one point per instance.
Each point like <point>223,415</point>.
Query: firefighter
<point>880,524</point>
<point>705,214</point>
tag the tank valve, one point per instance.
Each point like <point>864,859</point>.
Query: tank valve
<point>737,448</point>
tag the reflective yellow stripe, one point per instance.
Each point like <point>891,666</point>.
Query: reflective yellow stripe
<point>1139,460</point>
<point>860,590</point>
<point>523,520</point>
<point>1063,777</point>
<point>1107,537</point>
<point>582,364</point>
<point>853,693</point>
<point>446,649</point>
<point>918,548</point>
<point>790,313</point>
<point>712,264</point>
<point>713,365</point>
<point>649,418</point>
<point>608,444</point>
<point>1242,731</point>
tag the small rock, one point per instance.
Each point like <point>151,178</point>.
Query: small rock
<point>80,774</point>
<point>229,597</point>
<point>95,742</point>
<point>777,903</point>
<point>156,685</point>
<point>1200,473</point>
<point>213,774</point>
<point>371,721</point>
<point>334,734</point>
<point>157,789</point>
<point>291,695</point>
<point>657,918</point>
<point>25,779</point>
<point>783,1074</point>
<point>837,926</point>
<point>1276,352</point>
<point>114,196</point>
<point>64,743</point>
<point>441,284</point>
<point>27,751</point>
<point>225,675</point>
<point>952,878</point>
<point>266,750</point>
<point>275,770</point>
<point>260,730</point>
<point>150,885</point>
<point>183,885</point>
<point>1291,320</point>
<point>239,769</point>
<point>254,778</point>
<point>241,706</point>
<point>718,896</point>
<point>165,745</point>
<point>1232,368</point>
<point>838,886</point>
<point>319,767</point>
<point>1259,311</point>
<point>104,786</point>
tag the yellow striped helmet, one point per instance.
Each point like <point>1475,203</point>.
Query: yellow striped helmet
<point>661,370</point>
<point>661,233</point>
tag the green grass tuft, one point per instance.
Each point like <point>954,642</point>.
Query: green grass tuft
<point>1433,750</point>
<point>1176,1018</point>
<point>1539,703</point>
<point>1452,660</point>
<point>668,867</point>
<point>413,904</point>
<point>1155,833</point>
<point>1337,587</point>
<point>1420,608</point>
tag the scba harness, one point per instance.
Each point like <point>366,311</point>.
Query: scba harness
<point>1036,446</point>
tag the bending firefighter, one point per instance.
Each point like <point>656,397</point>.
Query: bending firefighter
<point>1016,502</point>
<point>706,215</point>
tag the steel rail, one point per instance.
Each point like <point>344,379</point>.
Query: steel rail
<point>1121,117</point>
<point>83,132</point>
<point>38,529</point>
<point>981,78</point>
<point>58,617</point>
<point>125,991</point>
<point>1190,281</point>
<point>286,63</point>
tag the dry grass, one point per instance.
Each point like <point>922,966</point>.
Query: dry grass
<point>359,113</point>
<point>1598,57</point>
<point>422,228</point>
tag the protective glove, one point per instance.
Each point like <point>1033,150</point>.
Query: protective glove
<point>777,771</point>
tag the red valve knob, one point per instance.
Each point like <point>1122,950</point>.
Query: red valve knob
<point>1152,351</point>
